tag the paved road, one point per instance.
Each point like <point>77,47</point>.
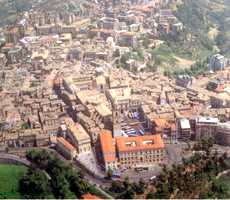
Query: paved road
<point>15,158</point>
<point>93,180</point>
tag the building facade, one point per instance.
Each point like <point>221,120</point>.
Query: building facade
<point>141,151</point>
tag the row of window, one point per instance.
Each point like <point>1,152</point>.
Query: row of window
<point>138,158</point>
<point>145,161</point>
<point>154,152</point>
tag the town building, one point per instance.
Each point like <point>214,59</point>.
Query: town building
<point>217,62</point>
<point>206,127</point>
<point>223,134</point>
<point>78,136</point>
<point>108,150</point>
<point>184,129</point>
<point>65,148</point>
<point>131,152</point>
<point>140,151</point>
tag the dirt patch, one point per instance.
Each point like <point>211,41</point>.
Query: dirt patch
<point>184,63</point>
<point>213,32</point>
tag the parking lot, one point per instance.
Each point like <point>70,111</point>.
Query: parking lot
<point>135,175</point>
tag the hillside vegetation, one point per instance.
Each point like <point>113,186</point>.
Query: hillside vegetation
<point>9,9</point>
<point>207,29</point>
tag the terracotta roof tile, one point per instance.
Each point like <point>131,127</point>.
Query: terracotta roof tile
<point>90,196</point>
<point>65,143</point>
<point>107,146</point>
<point>139,143</point>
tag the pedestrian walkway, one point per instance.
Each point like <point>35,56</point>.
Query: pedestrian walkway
<point>88,160</point>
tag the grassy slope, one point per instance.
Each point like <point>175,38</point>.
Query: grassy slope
<point>9,180</point>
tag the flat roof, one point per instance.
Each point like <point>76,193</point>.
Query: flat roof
<point>211,120</point>
<point>77,130</point>
<point>103,110</point>
<point>120,93</point>
<point>184,123</point>
<point>225,125</point>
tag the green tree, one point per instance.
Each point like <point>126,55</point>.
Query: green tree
<point>61,188</point>
<point>150,195</point>
<point>35,185</point>
<point>126,182</point>
<point>117,187</point>
<point>109,173</point>
<point>128,194</point>
<point>65,181</point>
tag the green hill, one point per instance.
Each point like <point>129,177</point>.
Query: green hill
<point>207,29</point>
<point>9,9</point>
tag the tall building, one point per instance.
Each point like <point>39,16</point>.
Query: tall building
<point>120,100</point>
<point>206,127</point>
<point>184,129</point>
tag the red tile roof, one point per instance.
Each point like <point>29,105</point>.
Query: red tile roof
<point>140,143</point>
<point>107,146</point>
<point>63,141</point>
<point>90,196</point>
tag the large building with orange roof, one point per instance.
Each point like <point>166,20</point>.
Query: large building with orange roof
<point>131,152</point>
<point>140,151</point>
<point>108,150</point>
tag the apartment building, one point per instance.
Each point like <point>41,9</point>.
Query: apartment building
<point>206,127</point>
<point>78,136</point>
<point>223,134</point>
<point>184,129</point>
